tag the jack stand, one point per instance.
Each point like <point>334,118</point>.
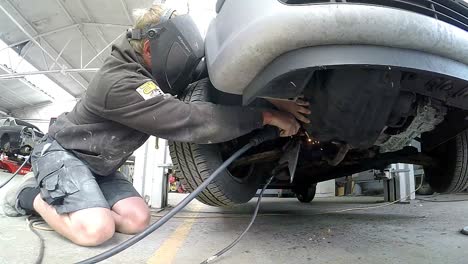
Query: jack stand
<point>398,183</point>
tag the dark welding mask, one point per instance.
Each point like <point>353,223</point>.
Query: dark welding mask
<point>177,48</point>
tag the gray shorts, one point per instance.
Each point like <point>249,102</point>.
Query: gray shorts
<point>67,183</point>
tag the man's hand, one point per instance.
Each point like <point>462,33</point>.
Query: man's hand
<point>286,122</point>
<point>297,108</point>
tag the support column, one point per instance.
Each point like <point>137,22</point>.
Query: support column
<point>150,177</point>
<point>399,184</point>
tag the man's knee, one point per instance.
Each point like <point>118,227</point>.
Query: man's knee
<point>135,215</point>
<point>94,229</point>
<point>137,220</point>
<point>95,234</point>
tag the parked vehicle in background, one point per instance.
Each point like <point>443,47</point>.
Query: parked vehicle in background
<point>18,136</point>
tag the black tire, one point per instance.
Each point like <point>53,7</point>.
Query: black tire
<point>425,189</point>
<point>306,195</point>
<point>194,163</point>
<point>452,175</point>
<point>25,150</point>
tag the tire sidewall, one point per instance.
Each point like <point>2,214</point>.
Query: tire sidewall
<point>451,176</point>
<point>230,189</point>
<point>237,191</point>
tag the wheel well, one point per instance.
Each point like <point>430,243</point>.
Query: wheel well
<point>5,138</point>
<point>3,141</point>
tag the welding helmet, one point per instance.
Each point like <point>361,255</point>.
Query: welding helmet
<point>177,48</point>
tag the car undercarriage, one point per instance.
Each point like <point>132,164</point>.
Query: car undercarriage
<point>356,139</point>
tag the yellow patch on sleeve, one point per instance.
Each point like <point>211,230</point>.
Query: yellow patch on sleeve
<point>149,90</point>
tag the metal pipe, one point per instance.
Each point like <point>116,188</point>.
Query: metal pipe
<point>23,74</point>
<point>104,49</point>
<point>60,53</point>
<point>78,82</point>
<point>105,25</point>
<point>45,60</point>
<point>125,8</point>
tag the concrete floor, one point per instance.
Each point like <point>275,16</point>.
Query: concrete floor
<point>285,232</point>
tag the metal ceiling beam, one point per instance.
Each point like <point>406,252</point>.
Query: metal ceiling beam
<point>41,35</point>
<point>125,8</point>
<point>104,49</point>
<point>46,65</point>
<point>78,82</point>
<point>86,12</point>
<point>72,19</point>
<point>105,25</point>
<point>60,53</point>
<point>32,39</point>
<point>23,74</point>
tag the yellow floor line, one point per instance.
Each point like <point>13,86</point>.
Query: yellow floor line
<point>166,253</point>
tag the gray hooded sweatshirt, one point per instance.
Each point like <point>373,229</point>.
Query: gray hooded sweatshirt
<point>115,116</point>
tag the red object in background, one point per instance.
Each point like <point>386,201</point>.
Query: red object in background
<point>12,166</point>
<point>175,185</point>
<point>181,189</point>
<point>172,179</point>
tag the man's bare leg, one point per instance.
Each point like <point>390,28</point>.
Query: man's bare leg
<point>87,227</point>
<point>131,215</point>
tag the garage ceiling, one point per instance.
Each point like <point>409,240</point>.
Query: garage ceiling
<point>78,30</point>
<point>19,93</point>
<point>71,39</point>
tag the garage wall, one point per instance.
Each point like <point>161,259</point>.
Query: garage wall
<point>325,189</point>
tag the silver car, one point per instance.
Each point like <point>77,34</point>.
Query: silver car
<point>377,73</point>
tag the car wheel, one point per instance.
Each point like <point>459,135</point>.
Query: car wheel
<point>451,176</point>
<point>25,150</point>
<point>194,163</point>
<point>306,195</point>
<point>425,189</point>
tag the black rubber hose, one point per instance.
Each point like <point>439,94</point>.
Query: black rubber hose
<point>40,257</point>
<point>266,134</point>
<point>252,220</point>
